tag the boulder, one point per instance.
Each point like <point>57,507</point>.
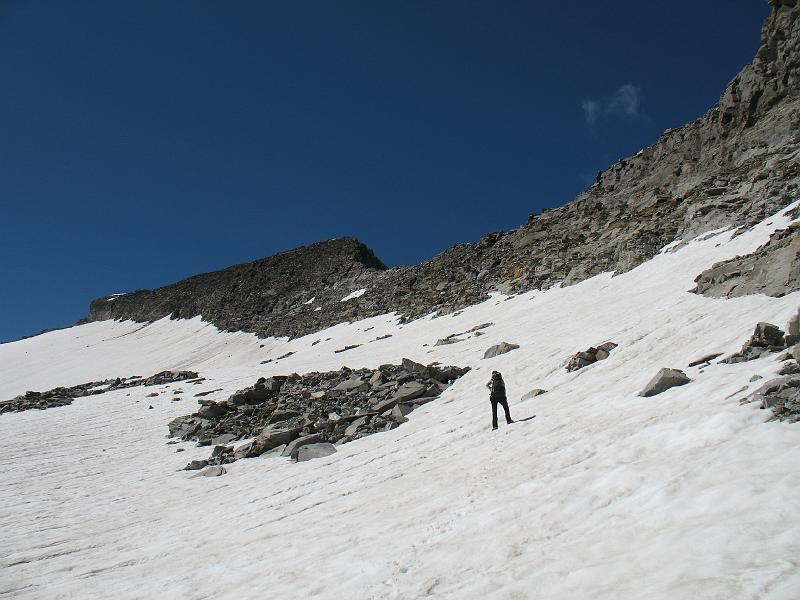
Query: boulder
<point>399,412</point>
<point>354,384</point>
<point>767,335</point>
<point>282,414</point>
<point>257,394</point>
<point>664,380</point>
<point>196,465</point>
<point>312,451</point>
<point>415,368</point>
<point>212,410</point>
<point>590,356</point>
<point>223,439</point>
<point>533,393</point>
<point>294,446</point>
<point>353,428</point>
<point>213,471</point>
<point>409,391</point>
<point>499,349</point>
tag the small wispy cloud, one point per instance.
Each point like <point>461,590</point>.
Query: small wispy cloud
<point>624,103</point>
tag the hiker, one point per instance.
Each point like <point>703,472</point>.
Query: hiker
<point>498,396</point>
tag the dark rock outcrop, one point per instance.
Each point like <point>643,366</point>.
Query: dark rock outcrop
<point>734,166</point>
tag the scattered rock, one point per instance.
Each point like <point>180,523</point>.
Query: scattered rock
<point>590,356</point>
<point>664,380</point>
<point>336,407</point>
<point>755,378</point>
<point>765,339</point>
<point>62,396</point>
<point>782,396</point>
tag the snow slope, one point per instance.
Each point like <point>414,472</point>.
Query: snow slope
<point>603,495</point>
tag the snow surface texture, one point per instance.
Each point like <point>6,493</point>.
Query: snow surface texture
<point>353,295</point>
<point>603,495</point>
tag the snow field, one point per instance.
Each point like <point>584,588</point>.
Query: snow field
<point>602,495</point>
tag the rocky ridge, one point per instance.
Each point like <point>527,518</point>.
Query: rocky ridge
<point>732,167</point>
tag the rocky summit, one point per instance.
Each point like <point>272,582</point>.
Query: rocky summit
<point>732,167</point>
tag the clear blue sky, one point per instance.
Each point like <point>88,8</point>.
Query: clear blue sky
<point>143,142</point>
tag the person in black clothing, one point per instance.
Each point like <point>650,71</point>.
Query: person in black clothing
<point>498,396</point>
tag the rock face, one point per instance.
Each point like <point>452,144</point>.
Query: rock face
<point>773,270</point>
<point>664,380</point>
<point>62,396</point>
<point>292,412</point>
<point>733,166</point>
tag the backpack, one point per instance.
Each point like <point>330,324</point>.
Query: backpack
<point>498,386</point>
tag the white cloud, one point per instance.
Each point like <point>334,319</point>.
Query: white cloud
<point>624,103</point>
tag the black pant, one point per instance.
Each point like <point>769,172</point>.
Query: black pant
<point>502,401</point>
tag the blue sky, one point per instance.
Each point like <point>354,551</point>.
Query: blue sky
<point>143,142</point>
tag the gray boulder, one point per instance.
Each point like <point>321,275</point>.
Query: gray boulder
<point>294,446</point>
<point>499,349</point>
<point>664,380</point>
<point>409,391</point>
<point>353,428</point>
<point>312,451</point>
<point>354,384</point>
<point>214,471</point>
<point>532,394</point>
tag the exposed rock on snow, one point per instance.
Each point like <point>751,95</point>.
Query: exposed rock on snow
<point>765,339</point>
<point>312,451</point>
<point>499,349</point>
<point>590,356</point>
<point>533,393</point>
<point>773,269</point>
<point>664,380</point>
<point>62,396</point>
<point>296,410</point>
<point>213,471</point>
<point>782,396</point>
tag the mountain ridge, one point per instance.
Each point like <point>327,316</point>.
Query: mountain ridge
<point>731,167</point>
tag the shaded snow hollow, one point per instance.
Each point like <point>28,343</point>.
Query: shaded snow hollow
<point>603,495</point>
